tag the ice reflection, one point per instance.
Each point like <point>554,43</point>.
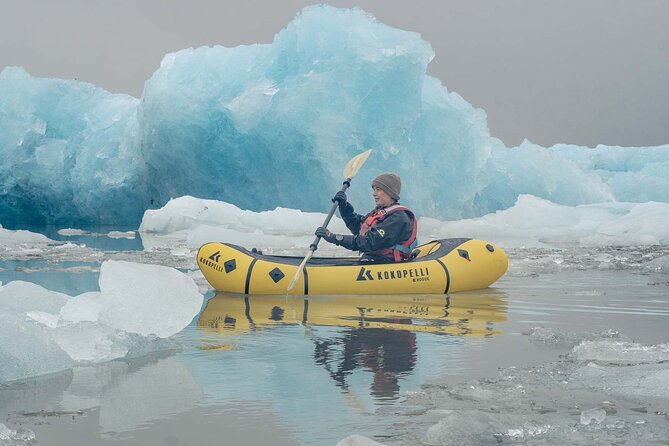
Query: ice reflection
<point>126,395</point>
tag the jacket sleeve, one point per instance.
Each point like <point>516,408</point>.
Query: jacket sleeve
<point>395,228</point>
<point>352,220</point>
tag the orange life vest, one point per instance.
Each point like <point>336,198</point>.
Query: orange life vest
<point>401,251</point>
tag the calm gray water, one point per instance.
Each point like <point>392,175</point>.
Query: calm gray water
<point>289,371</point>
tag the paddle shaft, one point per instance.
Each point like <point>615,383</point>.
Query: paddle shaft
<point>314,245</point>
<point>350,170</point>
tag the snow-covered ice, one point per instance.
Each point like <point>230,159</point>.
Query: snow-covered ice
<point>530,222</point>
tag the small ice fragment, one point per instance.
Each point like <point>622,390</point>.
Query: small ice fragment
<point>597,415</point>
<point>17,437</point>
<point>68,232</point>
<point>358,440</point>
<point>147,299</point>
<point>118,234</point>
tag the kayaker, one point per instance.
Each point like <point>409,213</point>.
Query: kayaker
<point>387,233</point>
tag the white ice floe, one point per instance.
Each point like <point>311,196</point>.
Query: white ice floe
<point>620,352</point>
<point>194,221</point>
<point>147,299</point>
<point>556,337</point>
<point>42,331</point>
<point>69,232</point>
<point>358,440</point>
<point>22,239</point>
<point>641,380</point>
<point>21,436</point>
<point>534,221</point>
<point>530,222</point>
<point>119,234</point>
<point>594,415</point>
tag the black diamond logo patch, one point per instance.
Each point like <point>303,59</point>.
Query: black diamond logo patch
<point>230,265</point>
<point>464,254</point>
<point>276,275</point>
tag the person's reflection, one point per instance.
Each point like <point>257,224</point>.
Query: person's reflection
<point>388,354</point>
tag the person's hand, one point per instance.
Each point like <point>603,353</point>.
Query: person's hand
<point>325,234</point>
<point>340,198</point>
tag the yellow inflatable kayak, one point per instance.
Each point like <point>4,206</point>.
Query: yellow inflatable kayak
<point>438,267</point>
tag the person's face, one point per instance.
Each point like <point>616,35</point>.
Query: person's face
<point>381,197</point>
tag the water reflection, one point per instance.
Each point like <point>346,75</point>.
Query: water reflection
<point>300,371</point>
<point>377,334</point>
<point>468,313</point>
<point>387,354</point>
<point>125,394</point>
<point>72,278</point>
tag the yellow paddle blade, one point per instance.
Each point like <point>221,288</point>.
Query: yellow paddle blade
<point>353,166</point>
<point>298,273</point>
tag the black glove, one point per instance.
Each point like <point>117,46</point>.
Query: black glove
<point>345,207</point>
<point>326,235</point>
<point>340,198</point>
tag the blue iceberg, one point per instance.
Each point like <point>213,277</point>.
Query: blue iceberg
<point>270,125</point>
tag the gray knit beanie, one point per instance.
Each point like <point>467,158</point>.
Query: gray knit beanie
<point>390,183</point>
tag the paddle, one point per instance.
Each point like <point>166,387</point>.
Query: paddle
<point>351,169</point>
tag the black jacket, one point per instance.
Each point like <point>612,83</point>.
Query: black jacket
<point>394,229</point>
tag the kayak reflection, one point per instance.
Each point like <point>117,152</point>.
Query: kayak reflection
<point>468,313</point>
<point>379,332</point>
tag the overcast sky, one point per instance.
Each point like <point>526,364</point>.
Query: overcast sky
<point>575,71</point>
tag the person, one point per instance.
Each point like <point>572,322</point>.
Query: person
<point>387,233</point>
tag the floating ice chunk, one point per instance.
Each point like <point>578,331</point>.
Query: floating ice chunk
<point>42,331</point>
<point>12,239</point>
<point>595,415</point>
<point>534,221</point>
<point>661,264</point>
<point>69,246</point>
<point>147,299</point>
<point>20,297</point>
<point>27,348</point>
<point>119,234</point>
<point>187,213</point>
<point>464,427</point>
<point>182,252</point>
<point>562,338</point>
<point>196,221</point>
<point>618,352</point>
<point>87,342</point>
<point>358,440</point>
<point>19,437</point>
<point>67,232</point>
<point>645,380</point>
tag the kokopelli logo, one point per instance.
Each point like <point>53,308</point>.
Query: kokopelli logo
<point>215,256</point>
<point>364,274</point>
